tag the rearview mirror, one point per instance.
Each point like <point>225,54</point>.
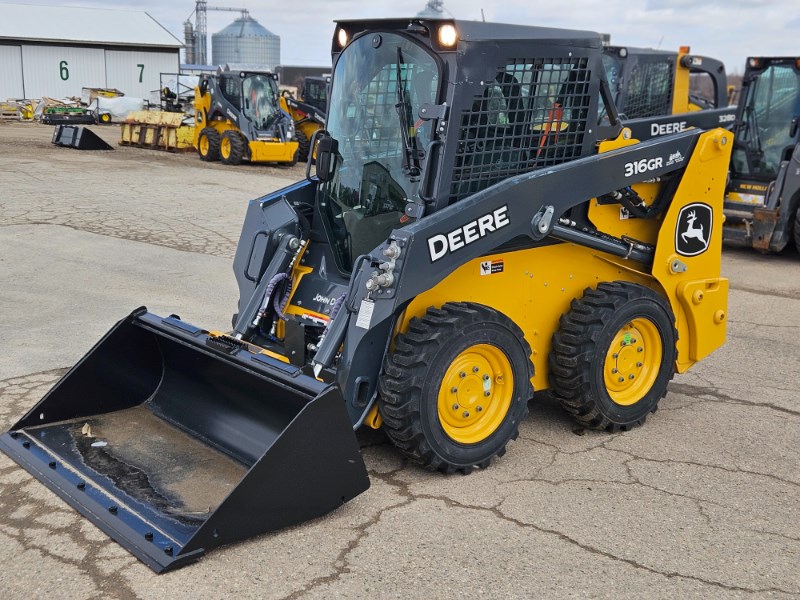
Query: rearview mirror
<point>793,127</point>
<point>327,150</point>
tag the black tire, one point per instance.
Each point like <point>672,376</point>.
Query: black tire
<point>797,228</point>
<point>415,383</point>
<point>208,144</point>
<point>232,148</point>
<point>584,369</point>
<point>303,144</point>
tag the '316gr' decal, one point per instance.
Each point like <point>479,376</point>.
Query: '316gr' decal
<point>644,165</point>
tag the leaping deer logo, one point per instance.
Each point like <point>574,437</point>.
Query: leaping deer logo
<point>692,231</point>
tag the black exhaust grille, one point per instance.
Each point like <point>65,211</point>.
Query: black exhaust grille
<point>533,115</point>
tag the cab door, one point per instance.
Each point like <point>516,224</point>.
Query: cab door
<point>766,129</point>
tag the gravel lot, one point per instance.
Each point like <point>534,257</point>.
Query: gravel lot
<point>703,501</point>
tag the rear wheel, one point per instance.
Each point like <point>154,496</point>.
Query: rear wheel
<point>613,356</point>
<point>303,144</point>
<point>104,118</point>
<point>208,144</point>
<point>456,387</point>
<point>231,148</point>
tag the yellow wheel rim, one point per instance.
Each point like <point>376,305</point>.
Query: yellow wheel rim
<point>633,362</point>
<point>475,394</point>
<point>204,145</point>
<point>225,148</point>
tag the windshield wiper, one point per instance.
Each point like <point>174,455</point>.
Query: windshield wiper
<point>410,150</point>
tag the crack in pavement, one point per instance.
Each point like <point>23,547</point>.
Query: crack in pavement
<point>699,392</point>
<point>341,564</point>
<point>184,239</point>
<point>761,292</point>
<point>496,511</point>
<point>764,325</point>
<point>403,489</point>
<point>18,528</point>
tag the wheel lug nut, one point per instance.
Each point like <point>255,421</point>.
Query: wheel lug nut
<point>466,414</point>
<point>474,369</point>
<point>638,364</point>
<point>479,408</point>
<point>486,378</point>
<point>462,374</point>
<point>614,371</point>
<point>615,355</point>
<point>621,379</point>
<point>640,349</point>
<point>455,407</point>
<point>631,376</point>
<point>487,393</point>
<point>454,389</point>
<point>633,341</point>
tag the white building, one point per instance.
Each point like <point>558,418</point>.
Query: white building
<point>55,51</point>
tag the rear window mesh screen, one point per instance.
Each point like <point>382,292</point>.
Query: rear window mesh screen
<point>649,90</point>
<point>533,115</point>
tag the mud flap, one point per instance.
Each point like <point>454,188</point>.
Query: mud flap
<point>174,443</point>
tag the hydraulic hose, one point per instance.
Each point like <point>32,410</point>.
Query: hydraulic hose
<point>268,295</point>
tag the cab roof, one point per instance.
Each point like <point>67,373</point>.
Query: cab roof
<point>480,31</point>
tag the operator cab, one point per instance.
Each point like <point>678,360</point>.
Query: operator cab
<point>496,100</point>
<point>254,94</point>
<point>767,125</point>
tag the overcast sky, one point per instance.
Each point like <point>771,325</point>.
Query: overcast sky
<point>729,30</point>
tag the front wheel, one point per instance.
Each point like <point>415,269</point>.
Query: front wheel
<point>456,387</point>
<point>231,148</point>
<point>613,356</point>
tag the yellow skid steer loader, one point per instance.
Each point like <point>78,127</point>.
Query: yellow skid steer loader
<point>473,234</point>
<point>658,92</point>
<point>240,116</point>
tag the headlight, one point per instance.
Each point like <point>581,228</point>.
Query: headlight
<point>448,36</point>
<point>342,38</point>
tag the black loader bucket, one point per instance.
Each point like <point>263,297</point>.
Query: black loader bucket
<point>81,138</point>
<point>174,441</point>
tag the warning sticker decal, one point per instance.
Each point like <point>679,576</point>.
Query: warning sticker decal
<point>490,267</point>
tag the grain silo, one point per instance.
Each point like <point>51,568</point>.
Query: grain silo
<point>245,41</point>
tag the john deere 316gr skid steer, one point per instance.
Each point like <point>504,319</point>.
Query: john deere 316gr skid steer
<point>472,236</point>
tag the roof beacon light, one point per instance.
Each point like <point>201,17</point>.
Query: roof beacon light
<point>448,36</point>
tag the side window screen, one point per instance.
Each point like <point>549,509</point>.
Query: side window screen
<point>649,90</point>
<point>533,115</point>
<point>231,89</point>
<point>702,91</point>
